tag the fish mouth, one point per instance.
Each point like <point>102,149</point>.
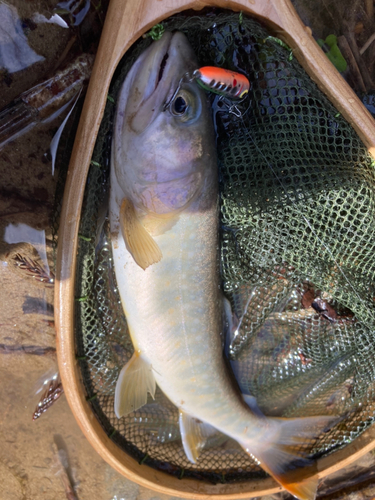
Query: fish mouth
<point>162,67</point>
<point>169,59</point>
<point>159,58</point>
<point>159,72</point>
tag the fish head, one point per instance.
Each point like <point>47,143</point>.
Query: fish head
<point>163,150</point>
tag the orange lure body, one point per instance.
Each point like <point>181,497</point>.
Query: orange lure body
<point>222,81</point>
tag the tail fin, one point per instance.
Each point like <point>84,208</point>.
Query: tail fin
<point>281,452</point>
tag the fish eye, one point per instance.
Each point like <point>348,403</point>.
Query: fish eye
<point>185,105</point>
<point>179,105</point>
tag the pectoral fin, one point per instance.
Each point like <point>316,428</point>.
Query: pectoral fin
<point>134,382</point>
<point>157,224</point>
<point>139,242</point>
<point>194,435</point>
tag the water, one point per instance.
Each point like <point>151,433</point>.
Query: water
<point>41,36</point>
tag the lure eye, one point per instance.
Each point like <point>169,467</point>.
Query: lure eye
<point>179,106</point>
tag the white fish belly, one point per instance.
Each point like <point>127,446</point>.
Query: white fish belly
<point>174,314</point>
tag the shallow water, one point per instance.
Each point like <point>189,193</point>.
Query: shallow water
<point>40,458</point>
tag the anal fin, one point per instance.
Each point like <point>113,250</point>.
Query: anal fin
<point>134,382</point>
<point>139,242</point>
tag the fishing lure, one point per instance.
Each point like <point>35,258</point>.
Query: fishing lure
<point>222,81</point>
<point>226,83</point>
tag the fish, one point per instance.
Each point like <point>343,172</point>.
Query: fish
<point>164,223</point>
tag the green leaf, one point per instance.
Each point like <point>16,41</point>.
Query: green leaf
<point>334,53</point>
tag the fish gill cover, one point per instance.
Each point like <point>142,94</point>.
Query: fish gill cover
<point>297,258</point>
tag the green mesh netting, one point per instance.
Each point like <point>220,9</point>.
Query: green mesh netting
<point>297,254</point>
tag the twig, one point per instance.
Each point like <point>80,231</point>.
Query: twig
<point>369,5</point>
<point>355,74</point>
<point>28,349</point>
<point>35,269</point>
<point>65,52</point>
<point>69,490</point>
<point>361,65</point>
<point>367,44</point>
<point>334,19</point>
<point>11,214</point>
<point>99,11</point>
<point>51,394</point>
